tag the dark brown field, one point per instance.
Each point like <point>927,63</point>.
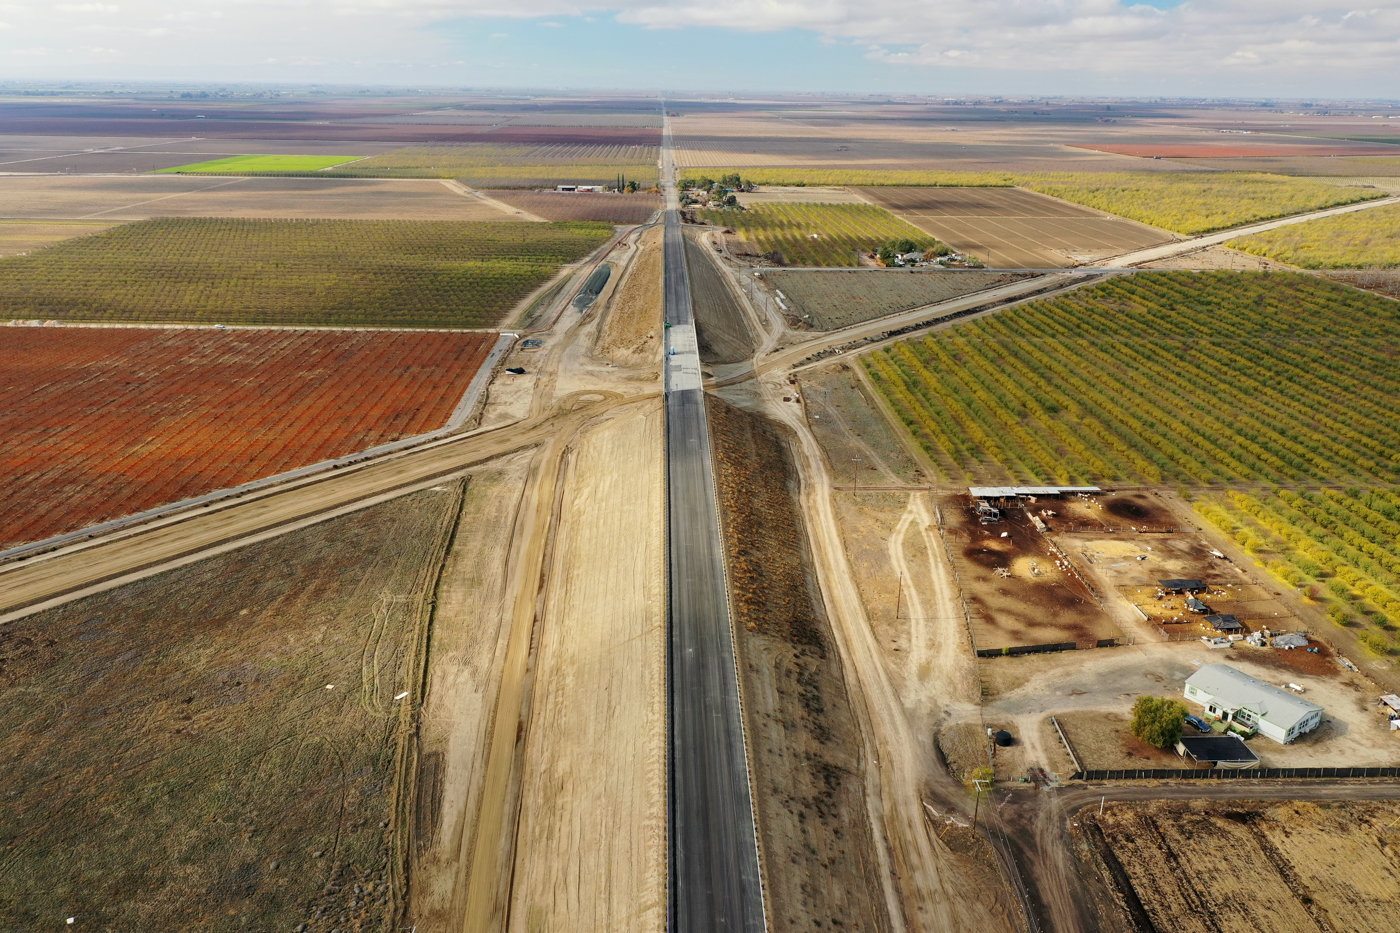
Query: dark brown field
<point>566,205</point>
<point>1011,228</point>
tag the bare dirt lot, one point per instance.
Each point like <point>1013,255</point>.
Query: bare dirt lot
<point>219,746</point>
<point>18,238</point>
<point>830,299</point>
<point>821,868</point>
<point>1246,867</point>
<point>630,332</point>
<point>844,416</point>
<point>121,199</point>
<point>1018,590</point>
<point>1218,257</point>
<point>1011,228</point>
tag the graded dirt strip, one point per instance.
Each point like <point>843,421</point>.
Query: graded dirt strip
<point>591,841</point>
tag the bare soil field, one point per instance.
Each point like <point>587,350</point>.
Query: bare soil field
<point>110,155</point>
<point>1019,591</point>
<point>1102,740</point>
<point>630,332</point>
<point>807,194</point>
<point>221,747</point>
<point>805,750</point>
<point>120,199</point>
<point>97,423</point>
<point>859,445</point>
<point>1237,866</point>
<point>16,238</point>
<point>1218,257</point>
<point>720,326</point>
<point>829,299</point>
<point>565,205</point>
<point>1381,281</point>
<point>1016,229</point>
<point>591,839</point>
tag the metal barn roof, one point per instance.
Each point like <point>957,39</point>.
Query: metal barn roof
<point>1237,689</point>
<point>1011,492</point>
<point>1224,622</point>
<point>1224,749</point>
<point>1181,584</point>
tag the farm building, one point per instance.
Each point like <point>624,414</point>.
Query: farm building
<point>1218,751</point>
<point>1247,703</point>
<point>1224,622</point>
<point>1021,492</point>
<point>1181,586</point>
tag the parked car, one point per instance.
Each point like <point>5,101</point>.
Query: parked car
<point>1200,724</point>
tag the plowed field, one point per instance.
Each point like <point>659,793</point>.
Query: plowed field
<point>97,423</point>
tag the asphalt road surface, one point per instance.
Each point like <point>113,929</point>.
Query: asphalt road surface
<point>714,876</point>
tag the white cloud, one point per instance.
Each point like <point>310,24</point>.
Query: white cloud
<point>89,8</point>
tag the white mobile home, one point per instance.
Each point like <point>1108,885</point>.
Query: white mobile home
<point>1237,698</point>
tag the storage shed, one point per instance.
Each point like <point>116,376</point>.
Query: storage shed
<point>1181,586</point>
<point>1224,622</point>
<point>1249,703</point>
<point>1217,751</point>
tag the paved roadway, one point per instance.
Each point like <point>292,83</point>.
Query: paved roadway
<point>714,877</point>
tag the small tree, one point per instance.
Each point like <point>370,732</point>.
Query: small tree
<point>1158,720</point>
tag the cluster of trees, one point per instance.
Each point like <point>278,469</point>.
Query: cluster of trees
<point>1158,720</point>
<point>893,249</point>
<point>714,193</point>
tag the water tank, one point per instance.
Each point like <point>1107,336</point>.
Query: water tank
<point>1003,738</point>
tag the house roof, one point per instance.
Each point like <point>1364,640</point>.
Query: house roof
<point>1222,748</point>
<point>1237,689</point>
<point>1011,492</point>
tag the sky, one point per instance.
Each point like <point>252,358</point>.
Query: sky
<point>1216,48</point>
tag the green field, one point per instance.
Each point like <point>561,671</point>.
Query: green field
<point>316,272</point>
<point>1189,203</point>
<point>219,747</point>
<point>817,234</point>
<point>259,165</point>
<point>486,165</point>
<point>1162,377</point>
<point>1364,240</point>
<point>1336,546</point>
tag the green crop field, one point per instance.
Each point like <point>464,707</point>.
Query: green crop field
<point>1184,202</point>
<point>1365,239</point>
<point>1337,546</point>
<point>316,272</point>
<point>817,234</point>
<point>525,166</point>
<point>1183,377</point>
<point>259,165</point>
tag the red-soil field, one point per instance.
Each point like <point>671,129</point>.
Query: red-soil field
<point>97,423</point>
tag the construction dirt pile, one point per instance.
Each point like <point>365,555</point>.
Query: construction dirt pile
<point>804,747</point>
<point>1232,865</point>
<point>631,331</point>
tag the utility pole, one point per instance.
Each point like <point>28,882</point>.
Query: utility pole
<point>855,474</point>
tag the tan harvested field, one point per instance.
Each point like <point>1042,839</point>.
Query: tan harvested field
<point>1247,866</point>
<point>18,238</point>
<point>470,624</point>
<point>223,746</point>
<point>591,841</point>
<point>810,194</point>
<point>805,748</point>
<point>566,205</point>
<point>121,199</point>
<point>835,298</point>
<point>1012,228</point>
<point>1019,591</point>
<point>630,333</point>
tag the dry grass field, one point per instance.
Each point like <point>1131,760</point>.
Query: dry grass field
<point>1015,228</point>
<point>829,299</point>
<point>16,237</point>
<point>121,199</point>
<point>219,747</point>
<point>805,750</point>
<point>1248,867</point>
<point>492,165</point>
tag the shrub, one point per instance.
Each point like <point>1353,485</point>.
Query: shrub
<point>1375,642</point>
<point>1158,720</point>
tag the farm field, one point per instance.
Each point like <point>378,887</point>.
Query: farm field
<point>23,238</point>
<point>257,164</point>
<point>492,165</point>
<point>563,205</point>
<point>1370,239</point>
<point>721,330</point>
<point>326,272</point>
<point>1127,380</point>
<point>814,234</point>
<point>1337,546</point>
<point>221,743</point>
<point>1014,228</point>
<point>1277,867</point>
<point>830,300</point>
<point>121,199</point>
<point>1188,203</point>
<point>97,423</point>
